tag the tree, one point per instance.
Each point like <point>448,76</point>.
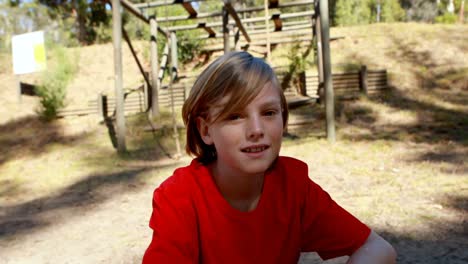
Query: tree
<point>17,18</point>
<point>392,11</point>
<point>87,15</point>
<point>420,10</point>
<point>352,12</point>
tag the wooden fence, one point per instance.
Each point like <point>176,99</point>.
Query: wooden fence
<point>345,85</point>
<point>350,84</point>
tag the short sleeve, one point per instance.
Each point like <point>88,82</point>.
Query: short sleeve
<point>173,220</point>
<point>327,228</point>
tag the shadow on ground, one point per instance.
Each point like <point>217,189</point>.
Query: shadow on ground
<point>445,243</point>
<point>29,136</point>
<point>78,198</point>
<point>439,118</point>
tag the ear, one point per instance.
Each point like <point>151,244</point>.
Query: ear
<point>203,129</point>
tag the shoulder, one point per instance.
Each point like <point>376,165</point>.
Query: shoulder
<point>292,167</point>
<point>179,184</point>
<point>292,174</point>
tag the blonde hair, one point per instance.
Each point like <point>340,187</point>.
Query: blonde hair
<point>237,76</point>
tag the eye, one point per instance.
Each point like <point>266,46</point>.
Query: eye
<point>270,112</point>
<point>233,117</point>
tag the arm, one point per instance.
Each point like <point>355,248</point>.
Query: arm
<point>175,238</point>
<point>374,250</point>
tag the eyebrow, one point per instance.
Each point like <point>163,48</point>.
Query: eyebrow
<point>271,103</point>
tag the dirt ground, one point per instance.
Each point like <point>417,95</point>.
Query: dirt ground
<point>399,165</point>
<point>102,217</point>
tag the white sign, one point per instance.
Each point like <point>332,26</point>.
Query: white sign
<point>28,52</point>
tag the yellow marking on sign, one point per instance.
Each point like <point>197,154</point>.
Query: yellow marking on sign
<point>39,55</point>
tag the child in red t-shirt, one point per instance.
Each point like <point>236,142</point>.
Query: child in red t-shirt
<point>239,201</point>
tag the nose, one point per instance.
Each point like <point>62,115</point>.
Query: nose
<point>255,128</point>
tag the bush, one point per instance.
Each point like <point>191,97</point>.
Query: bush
<point>352,12</point>
<point>392,11</point>
<point>420,10</point>
<point>188,46</point>
<point>54,81</point>
<point>298,63</point>
<point>447,18</point>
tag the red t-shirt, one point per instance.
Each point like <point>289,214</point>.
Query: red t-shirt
<point>193,223</point>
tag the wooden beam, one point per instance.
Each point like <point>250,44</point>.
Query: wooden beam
<point>219,14</point>
<point>248,9</point>
<point>282,16</point>
<point>164,3</point>
<point>285,31</point>
<point>156,84</point>
<point>216,47</point>
<point>275,34</point>
<point>118,80</point>
<point>236,18</point>
<point>189,8</point>
<point>267,27</point>
<point>185,17</point>
<point>318,38</point>
<point>132,50</point>
<point>284,40</point>
<point>211,32</point>
<point>247,20</point>
<point>174,73</point>
<point>132,9</point>
<point>225,30</point>
<point>285,25</point>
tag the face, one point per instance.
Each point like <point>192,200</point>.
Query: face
<point>247,142</point>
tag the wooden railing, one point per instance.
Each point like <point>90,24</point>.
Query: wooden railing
<point>346,86</point>
<point>350,84</point>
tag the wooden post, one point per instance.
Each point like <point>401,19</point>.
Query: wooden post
<point>226,30</point>
<point>318,34</point>
<point>132,50</point>
<point>163,65</point>
<point>461,16</point>
<point>186,89</point>
<point>102,106</point>
<point>155,83</point>
<point>119,95</point>
<point>236,40</point>
<point>18,85</point>
<point>363,80</point>
<point>327,74</point>
<point>267,28</point>
<point>147,94</point>
<point>174,73</point>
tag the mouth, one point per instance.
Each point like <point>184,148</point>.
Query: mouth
<point>255,149</point>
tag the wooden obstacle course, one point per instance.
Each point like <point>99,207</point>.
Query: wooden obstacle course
<point>350,85</point>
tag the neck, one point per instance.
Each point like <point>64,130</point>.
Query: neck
<point>241,191</point>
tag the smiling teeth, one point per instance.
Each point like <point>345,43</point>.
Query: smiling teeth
<point>255,149</point>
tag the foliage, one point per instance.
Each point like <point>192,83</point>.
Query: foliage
<point>54,81</point>
<point>17,19</point>
<point>355,12</point>
<point>87,16</point>
<point>352,12</point>
<point>392,11</point>
<point>447,18</point>
<point>430,10</point>
<point>420,10</point>
<point>298,64</point>
<point>189,47</point>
